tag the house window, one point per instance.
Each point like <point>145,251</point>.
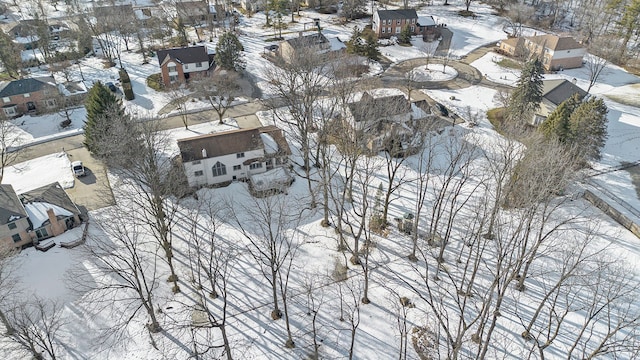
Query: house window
<point>31,106</point>
<point>219,169</point>
<point>199,65</point>
<point>198,173</point>
<point>255,166</point>
<point>16,238</point>
<point>42,233</point>
<point>172,68</point>
<point>12,225</point>
<point>398,29</point>
<point>398,22</point>
<point>239,155</point>
<point>50,103</point>
<point>197,162</point>
<point>389,30</point>
<point>237,167</point>
<point>10,111</point>
<point>6,100</point>
<point>413,21</point>
<point>173,78</point>
<point>27,95</point>
<point>413,28</point>
<point>383,30</point>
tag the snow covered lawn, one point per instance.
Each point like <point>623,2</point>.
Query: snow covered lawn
<point>39,172</point>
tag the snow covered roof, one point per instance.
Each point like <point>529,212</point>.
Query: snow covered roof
<point>275,179</point>
<point>10,207</point>
<point>336,44</point>
<point>426,21</point>
<point>270,145</point>
<point>37,212</point>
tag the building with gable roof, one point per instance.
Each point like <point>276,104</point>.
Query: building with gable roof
<point>315,43</point>
<point>388,23</point>
<point>232,155</point>
<point>35,215</point>
<point>179,64</point>
<point>555,52</point>
<point>554,92</point>
<point>29,96</point>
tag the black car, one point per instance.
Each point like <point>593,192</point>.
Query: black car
<point>111,86</point>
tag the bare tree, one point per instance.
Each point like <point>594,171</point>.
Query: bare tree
<point>595,66</point>
<point>220,90</point>
<point>9,285</point>
<point>37,324</point>
<point>10,142</point>
<point>180,95</point>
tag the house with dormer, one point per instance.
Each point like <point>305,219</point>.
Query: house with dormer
<point>227,156</point>
<point>28,96</point>
<point>177,65</point>
<point>35,215</point>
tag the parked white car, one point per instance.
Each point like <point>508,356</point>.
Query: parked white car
<point>78,169</point>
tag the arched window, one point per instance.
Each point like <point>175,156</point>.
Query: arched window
<point>219,169</point>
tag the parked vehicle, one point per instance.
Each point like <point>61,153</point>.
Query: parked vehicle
<point>111,86</point>
<point>78,169</point>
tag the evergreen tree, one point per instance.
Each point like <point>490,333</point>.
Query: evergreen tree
<point>588,128</point>
<point>371,50</point>
<point>557,124</point>
<point>355,45</point>
<point>105,114</point>
<point>525,99</point>
<point>405,35</point>
<point>229,52</point>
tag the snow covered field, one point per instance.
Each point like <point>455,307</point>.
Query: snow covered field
<point>252,333</point>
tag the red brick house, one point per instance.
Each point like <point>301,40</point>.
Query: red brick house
<point>388,23</point>
<point>179,64</point>
<point>28,96</point>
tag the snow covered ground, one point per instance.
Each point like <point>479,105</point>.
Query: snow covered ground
<point>253,334</point>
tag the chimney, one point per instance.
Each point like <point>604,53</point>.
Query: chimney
<point>574,81</point>
<point>204,153</point>
<point>56,229</point>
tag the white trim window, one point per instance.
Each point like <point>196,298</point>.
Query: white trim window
<point>219,169</point>
<point>256,165</point>
<point>398,29</point>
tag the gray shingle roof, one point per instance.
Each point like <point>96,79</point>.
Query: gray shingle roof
<point>27,85</point>
<point>301,42</point>
<point>11,208</point>
<point>397,14</point>
<point>186,55</point>
<point>559,90</point>
<point>368,106</point>
<point>52,194</point>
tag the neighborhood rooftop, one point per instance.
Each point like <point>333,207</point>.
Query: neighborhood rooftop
<point>397,14</point>
<point>555,43</point>
<point>11,208</point>
<point>559,90</point>
<point>186,55</point>
<point>24,86</point>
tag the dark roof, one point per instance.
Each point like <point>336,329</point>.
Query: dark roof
<point>307,40</point>
<point>11,208</point>
<point>186,55</point>
<point>229,142</point>
<point>124,10</point>
<point>27,85</point>
<point>559,90</point>
<point>52,194</point>
<point>397,14</point>
<point>370,106</point>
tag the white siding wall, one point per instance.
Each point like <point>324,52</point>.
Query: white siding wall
<point>187,68</point>
<point>375,22</point>
<point>229,161</point>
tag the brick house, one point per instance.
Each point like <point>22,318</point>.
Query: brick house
<point>556,52</point>
<point>554,92</point>
<point>179,64</point>
<point>388,23</point>
<point>35,215</point>
<point>233,155</point>
<point>29,96</point>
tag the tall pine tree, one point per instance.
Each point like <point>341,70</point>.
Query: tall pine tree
<point>105,114</point>
<point>229,52</point>
<point>525,99</point>
<point>557,124</point>
<point>588,128</point>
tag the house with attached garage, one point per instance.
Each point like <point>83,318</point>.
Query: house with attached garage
<point>227,156</point>
<point>29,96</point>
<point>388,23</point>
<point>556,52</point>
<point>315,43</point>
<point>177,65</point>
<point>554,92</point>
<point>35,215</point>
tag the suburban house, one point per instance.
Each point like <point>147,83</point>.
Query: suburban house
<point>233,155</point>
<point>382,119</point>
<point>315,43</point>
<point>556,52</point>
<point>554,92</point>
<point>252,5</point>
<point>388,23</point>
<point>28,96</point>
<point>193,12</point>
<point>27,32</point>
<point>179,64</point>
<point>35,215</point>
